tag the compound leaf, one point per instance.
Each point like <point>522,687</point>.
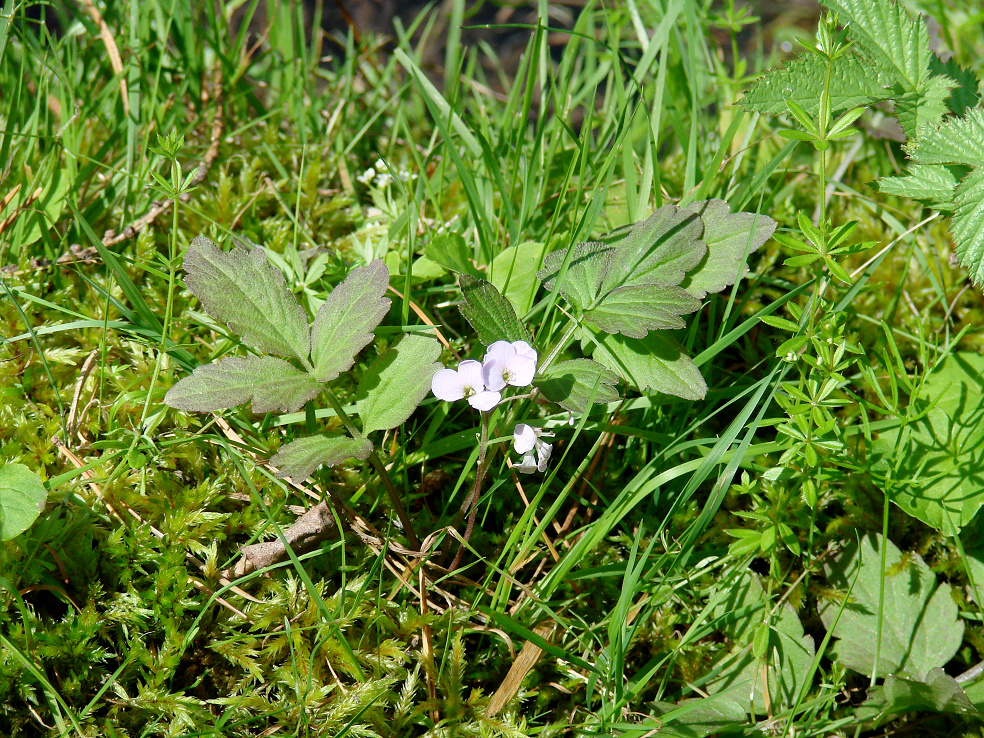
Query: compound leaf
<point>489,313</point>
<point>346,320</point>
<point>924,108</point>
<point>956,141</point>
<point>271,383</point>
<point>967,224</point>
<point>730,238</point>
<point>242,289</point>
<point>397,381</point>
<point>656,363</point>
<point>22,498</point>
<point>932,182</point>
<point>920,629</point>
<point>638,309</point>
<point>577,383</point>
<point>298,459</point>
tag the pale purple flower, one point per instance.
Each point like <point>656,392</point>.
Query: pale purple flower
<point>465,382</point>
<point>536,452</point>
<point>509,363</point>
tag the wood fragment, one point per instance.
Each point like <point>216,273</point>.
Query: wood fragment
<point>309,530</point>
<point>529,654</point>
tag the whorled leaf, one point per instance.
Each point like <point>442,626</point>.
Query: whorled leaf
<point>346,320</point>
<point>920,629</point>
<point>489,313</point>
<point>577,383</point>
<point>22,498</point>
<point>242,289</point>
<point>271,384</point>
<point>730,238</point>
<point>656,363</point>
<point>299,459</point>
<point>397,381</point>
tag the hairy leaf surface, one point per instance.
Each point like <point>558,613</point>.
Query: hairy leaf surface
<point>935,183</point>
<point>397,381</point>
<point>242,289</point>
<point>489,313</point>
<point>577,383</point>
<point>345,322</point>
<point>271,383</point>
<point>656,363</point>
<point>636,310</point>
<point>585,271</point>
<point>299,459</point>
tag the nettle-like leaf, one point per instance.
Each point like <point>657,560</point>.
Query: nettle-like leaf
<point>940,692</point>
<point>936,464</point>
<point>934,183</point>
<point>638,309</point>
<point>299,459</point>
<point>489,313</point>
<point>923,109</point>
<point>788,657</point>
<point>22,498</point>
<point>854,82</point>
<point>920,629</point>
<point>577,383</point>
<point>730,238</point>
<point>957,141</point>
<point>346,320</point>
<point>656,363</point>
<point>271,384</point>
<point>242,289</point>
<point>393,386</point>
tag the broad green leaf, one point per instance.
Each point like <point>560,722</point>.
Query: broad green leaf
<point>940,692</point>
<point>656,363</point>
<point>577,383</point>
<point>298,459</point>
<point>271,384</point>
<point>956,141</point>
<point>923,108</point>
<point>345,322</point>
<point>730,238</point>
<point>699,718</point>
<point>489,313</point>
<point>397,381</point>
<point>854,82</point>
<point>936,464</point>
<point>585,271</point>
<point>967,224</point>
<point>635,311</point>
<point>789,652</point>
<point>450,251</point>
<point>22,498</point>
<point>897,44</point>
<point>920,629</point>
<point>932,182</point>
<point>242,289</point>
<point>659,250</point>
<point>964,96</point>
<point>513,272</point>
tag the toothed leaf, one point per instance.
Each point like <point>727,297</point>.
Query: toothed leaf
<point>299,459</point>
<point>397,381</point>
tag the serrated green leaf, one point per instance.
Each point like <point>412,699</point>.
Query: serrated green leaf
<point>956,141</point>
<point>935,183</point>
<point>699,718</point>
<point>789,652</point>
<point>577,383</point>
<point>940,692</point>
<point>346,320</point>
<point>854,82</point>
<point>967,224</point>
<point>397,381</point>
<point>636,310</point>
<point>271,383</point>
<point>730,238</point>
<point>920,629</point>
<point>656,363</point>
<point>22,498</point>
<point>489,313</point>
<point>937,462</point>
<point>299,459</point>
<point>895,42</point>
<point>922,109</point>
<point>964,96</point>
<point>585,271</point>
<point>243,290</point>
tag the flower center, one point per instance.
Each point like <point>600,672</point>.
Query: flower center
<point>469,391</point>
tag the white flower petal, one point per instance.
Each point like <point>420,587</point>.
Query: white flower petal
<point>524,349</point>
<point>492,371</point>
<point>521,370</point>
<point>484,401</point>
<point>501,351</point>
<point>527,465</point>
<point>543,451</point>
<point>447,385</point>
<point>470,372</point>
<point>524,438</point>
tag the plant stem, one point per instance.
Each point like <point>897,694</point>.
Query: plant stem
<point>471,503</point>
<point>377,464</point>
<point>560,346</point>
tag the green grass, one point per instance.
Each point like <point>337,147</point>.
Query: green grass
<point>114,616</point>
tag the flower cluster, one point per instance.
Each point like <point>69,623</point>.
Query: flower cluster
<point>481,383</point>
<point>535,452</point>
